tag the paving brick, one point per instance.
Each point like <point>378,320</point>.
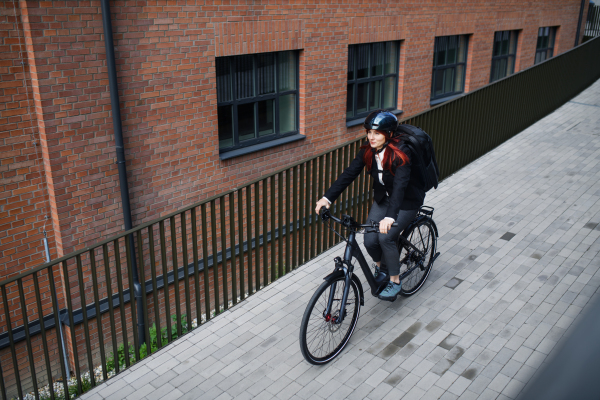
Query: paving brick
<point>144,380</point>
<point>488,394</point>
<point>459,386</point>
<point>513,389</point>
<point>499,382</point>
<point>167,391</point>
<point>360,392</point>
<point>163,379</point>
<point>480,384</point>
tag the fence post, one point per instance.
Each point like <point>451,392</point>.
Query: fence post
<point>58,322</point>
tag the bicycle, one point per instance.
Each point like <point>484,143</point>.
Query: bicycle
<point>325,330</point>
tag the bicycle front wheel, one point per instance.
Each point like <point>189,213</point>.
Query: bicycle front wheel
<point>322,336</point>
<point>422,236</point>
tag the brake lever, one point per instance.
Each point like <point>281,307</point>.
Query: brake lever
<point>324,213</point>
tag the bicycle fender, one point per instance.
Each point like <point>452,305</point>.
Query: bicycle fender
<point>340,274</point>
<point>418,220</point>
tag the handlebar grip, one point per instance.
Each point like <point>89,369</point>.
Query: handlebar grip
<point>324,214</point>
<point>374,224</point>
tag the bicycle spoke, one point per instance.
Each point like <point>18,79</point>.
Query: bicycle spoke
<point>419,229</point>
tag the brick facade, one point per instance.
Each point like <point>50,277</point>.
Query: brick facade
<point>166,69</point>
<point>24,197</point>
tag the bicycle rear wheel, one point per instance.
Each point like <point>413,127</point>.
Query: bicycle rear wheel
<point>322,338</point>
<point>422,236</point>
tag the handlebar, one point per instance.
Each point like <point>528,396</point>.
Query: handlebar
<point>349,222</point>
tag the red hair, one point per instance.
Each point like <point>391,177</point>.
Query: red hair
<point>389,157</point>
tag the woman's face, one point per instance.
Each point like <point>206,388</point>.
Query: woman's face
<point>376,139</point>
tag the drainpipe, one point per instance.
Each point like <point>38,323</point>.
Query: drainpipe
<point>579,22</point>
<point>116,116</point>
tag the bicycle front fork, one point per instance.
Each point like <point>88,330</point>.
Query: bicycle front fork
<point>339,265</point>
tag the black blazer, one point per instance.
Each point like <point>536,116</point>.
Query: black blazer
<point>404,189</point>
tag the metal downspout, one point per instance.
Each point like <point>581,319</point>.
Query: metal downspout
<point>116,116</point>
<point>579,22</point>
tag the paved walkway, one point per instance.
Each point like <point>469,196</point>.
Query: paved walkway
<point>519,261</point>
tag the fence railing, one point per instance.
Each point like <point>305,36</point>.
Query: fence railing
<point>592,24</point>
<point>201,260</point>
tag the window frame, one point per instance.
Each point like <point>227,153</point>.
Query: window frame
<point>235,102</point>
<point>434,98</point>
<point>550,48</point>
<point>381,78</point>
<point>504,56</point>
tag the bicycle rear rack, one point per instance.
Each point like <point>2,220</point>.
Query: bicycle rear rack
<point>425,210</point>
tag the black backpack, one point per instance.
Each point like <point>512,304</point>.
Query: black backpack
<point>421,145</point>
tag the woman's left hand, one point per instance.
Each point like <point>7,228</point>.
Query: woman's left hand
<point>385,225</point>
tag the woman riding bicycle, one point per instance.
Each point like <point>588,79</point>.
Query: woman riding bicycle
<point>397,189</point>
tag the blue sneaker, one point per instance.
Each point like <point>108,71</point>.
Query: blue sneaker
<point>391,291</point>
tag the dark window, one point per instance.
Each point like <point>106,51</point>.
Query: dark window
<point>545,44</point>
<point>372,78</point>
<point>449,66</point>
<point>504,54</point>
<point>257,98</point>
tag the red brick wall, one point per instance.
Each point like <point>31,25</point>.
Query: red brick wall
<point>24,187</point>
<point>165,62</point>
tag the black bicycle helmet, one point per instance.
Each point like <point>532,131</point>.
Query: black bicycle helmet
<point>381,120</point>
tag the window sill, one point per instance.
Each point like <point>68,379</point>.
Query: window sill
<point>444,99</point>
<point>261,146</point>
<point>358,121</point>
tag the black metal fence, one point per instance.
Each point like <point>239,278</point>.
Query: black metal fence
<point>592,24</point>
<point>201,260</point>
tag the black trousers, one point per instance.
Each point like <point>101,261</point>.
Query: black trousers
<point>382,247</point>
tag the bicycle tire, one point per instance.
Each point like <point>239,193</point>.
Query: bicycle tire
<point>317,331</point>
<point>422,236</point>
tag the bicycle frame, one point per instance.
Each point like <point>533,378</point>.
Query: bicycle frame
<point>346,266</point>
<point>326,312</point>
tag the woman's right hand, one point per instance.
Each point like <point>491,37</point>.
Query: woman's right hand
<point>321,203</point>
